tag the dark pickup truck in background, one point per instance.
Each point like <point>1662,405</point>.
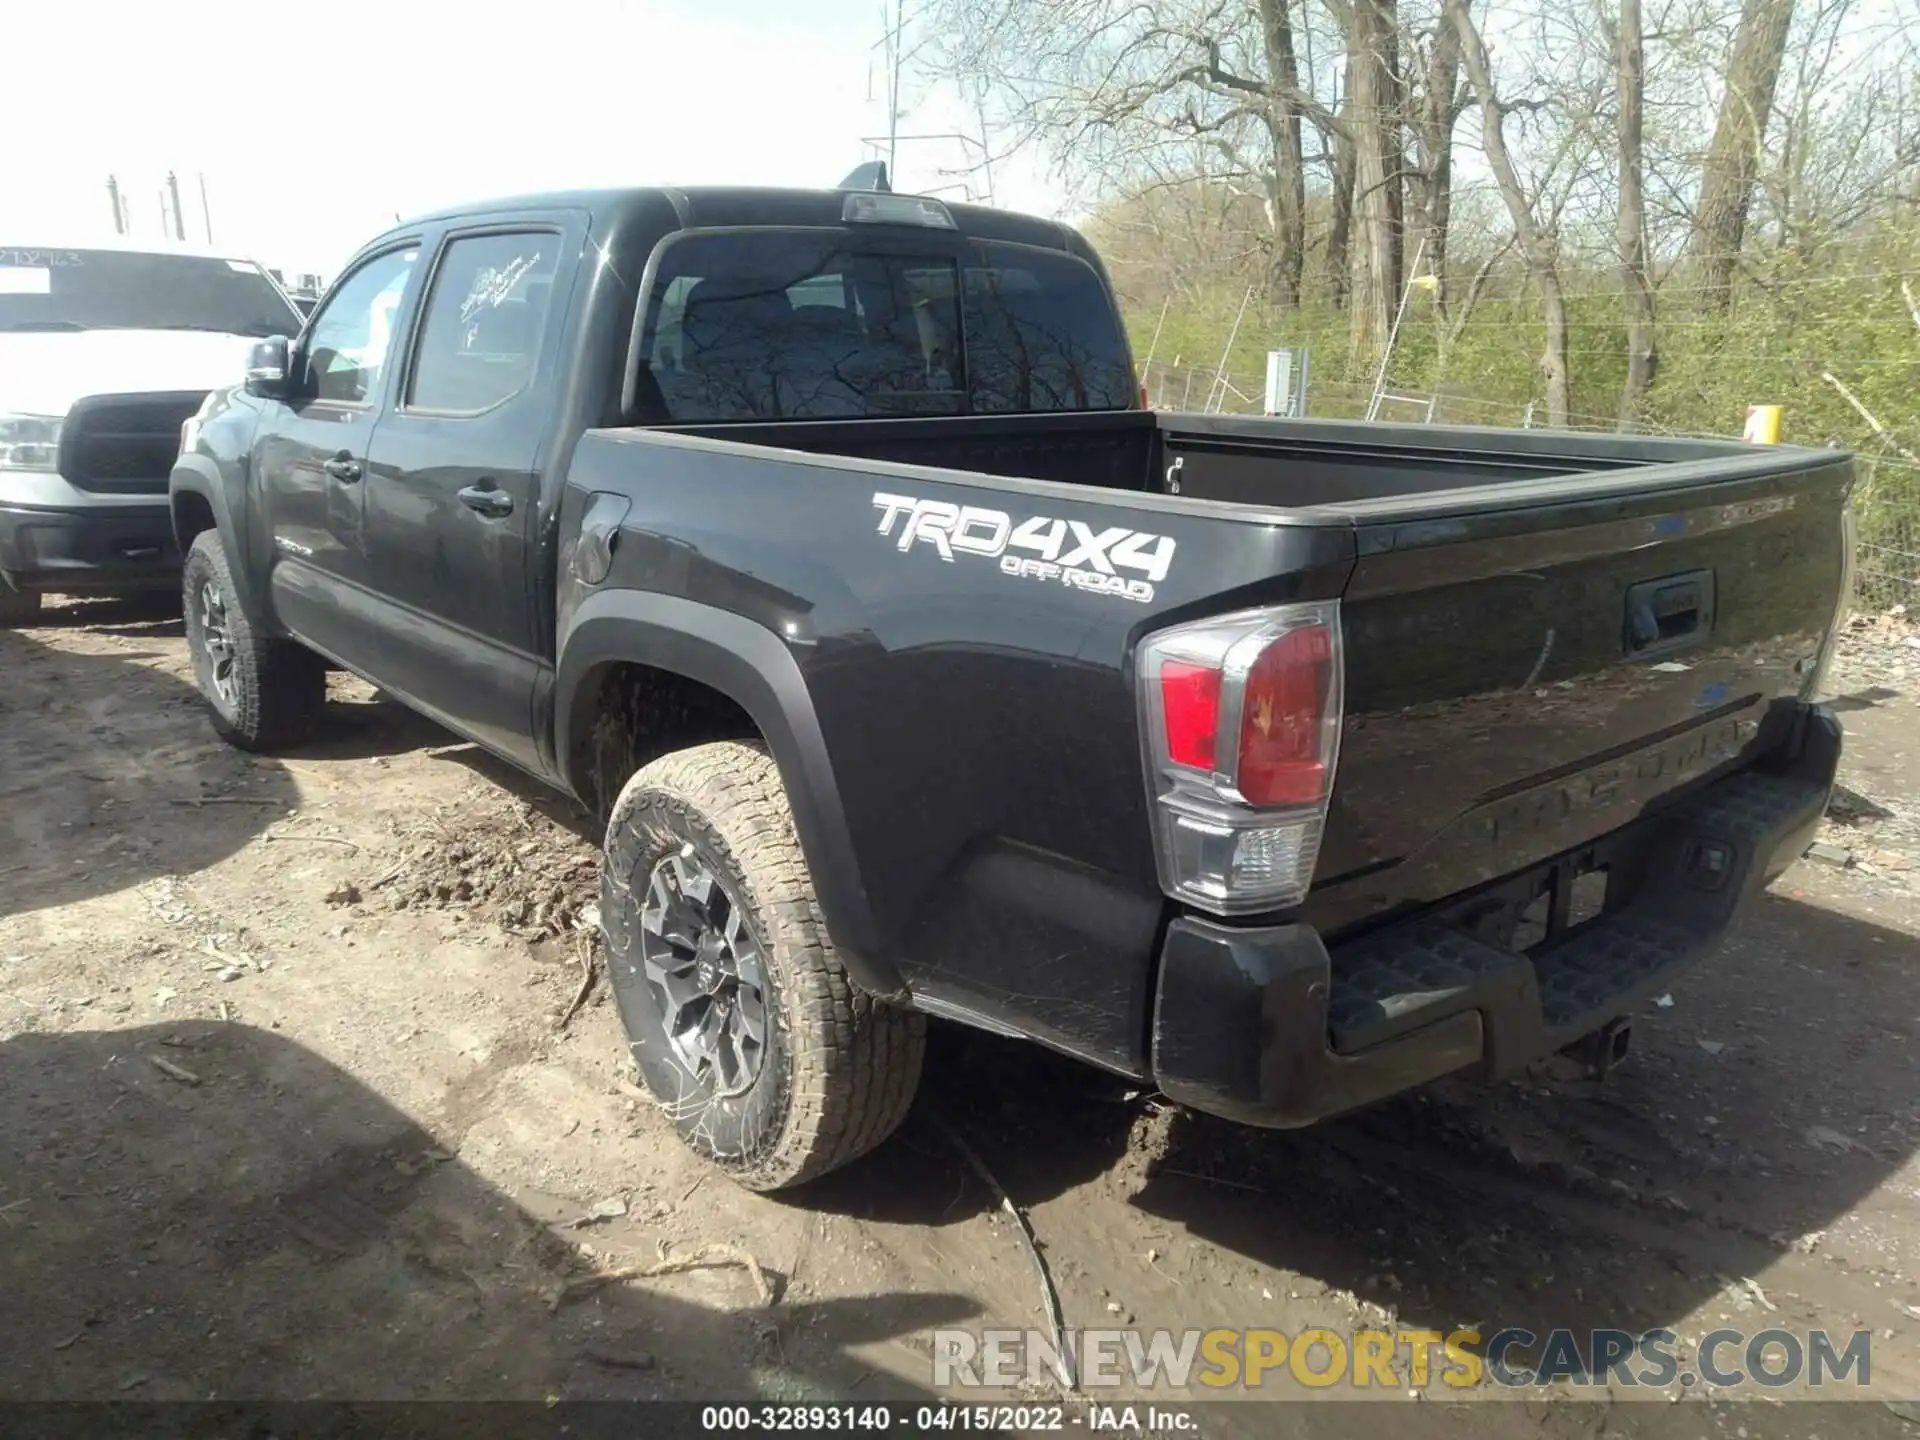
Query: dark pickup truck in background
<point>818,542</point>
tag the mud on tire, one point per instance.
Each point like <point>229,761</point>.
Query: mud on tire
<point>836,1070</point>
<point>262,692</point>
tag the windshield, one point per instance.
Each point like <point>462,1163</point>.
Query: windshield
<point>776,324</point>
<point>53,290</point>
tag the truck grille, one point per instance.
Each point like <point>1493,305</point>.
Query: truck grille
<point>125,444</point>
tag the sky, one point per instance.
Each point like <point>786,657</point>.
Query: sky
<point>315,125</point>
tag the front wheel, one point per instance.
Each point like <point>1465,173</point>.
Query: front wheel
<point>768,1059</point>
<point>262,693</point>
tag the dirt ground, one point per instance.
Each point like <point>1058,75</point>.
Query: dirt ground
<point>290,1112</point>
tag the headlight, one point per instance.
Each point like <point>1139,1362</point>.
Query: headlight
<point>29,442</point>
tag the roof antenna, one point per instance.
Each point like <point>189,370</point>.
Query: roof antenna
<point>870,176</point>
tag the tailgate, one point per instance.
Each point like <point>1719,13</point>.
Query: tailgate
<point>1525,676</point>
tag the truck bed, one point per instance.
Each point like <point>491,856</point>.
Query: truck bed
<point>1500,709</point>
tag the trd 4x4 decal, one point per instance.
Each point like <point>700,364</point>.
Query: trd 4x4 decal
<point>1039,548</point>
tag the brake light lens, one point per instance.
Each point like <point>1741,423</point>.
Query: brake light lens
<point>1190,697</point>
<point>1282,759</point>
<point>1241,719</point>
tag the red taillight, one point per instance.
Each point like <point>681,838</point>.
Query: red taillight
<point>1240,717</point>
<point>1282,719</point>
<point>1190,699</point>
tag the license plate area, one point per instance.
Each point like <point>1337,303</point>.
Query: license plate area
<point>1545,905</point>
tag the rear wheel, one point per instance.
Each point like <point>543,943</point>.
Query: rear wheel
<point>262,693</point>
<point>17,607</point>
<point>768,1059</point>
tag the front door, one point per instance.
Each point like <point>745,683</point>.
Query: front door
<point>452,491</point>
<point>310,456</point>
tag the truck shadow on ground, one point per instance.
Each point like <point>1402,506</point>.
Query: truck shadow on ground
<point>1769,1101</point>
<point>361,723</point>
<point>92,750</point>
<point>201,1210</point>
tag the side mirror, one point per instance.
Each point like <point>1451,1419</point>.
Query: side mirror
<point>269,368</point>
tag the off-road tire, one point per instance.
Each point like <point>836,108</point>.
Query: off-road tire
<point>839,1068</point>
<point>17,607</point>
<point>278,687</point>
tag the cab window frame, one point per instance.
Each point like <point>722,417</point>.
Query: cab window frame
<point>380,397</point>
<point>403,403</point>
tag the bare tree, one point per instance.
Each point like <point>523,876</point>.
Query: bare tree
<point>1374,118</point>
<point>1631,72</point>
<point>1732,162</point>
<point>1845,134</point>
<point>1111,85</point>
<point>1435,112</point>
<point>1286,179</point>
<point>1539,245</point>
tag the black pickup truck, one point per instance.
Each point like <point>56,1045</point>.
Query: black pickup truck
<point>819,541</point>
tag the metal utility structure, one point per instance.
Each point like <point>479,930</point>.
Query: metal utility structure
<point>1287,383</point>
<point>894,55</point>
<point>173,217</point>
<point>173,200</point>
<point>119,203</point>
<point>888,144</point>
<point>889,44</point>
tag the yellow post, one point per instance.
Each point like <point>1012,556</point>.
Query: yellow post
<point>1763,425</point>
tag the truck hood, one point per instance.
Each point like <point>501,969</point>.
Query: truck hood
<point>45,373</point>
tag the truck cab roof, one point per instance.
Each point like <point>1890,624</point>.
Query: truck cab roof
<point>662,208</point>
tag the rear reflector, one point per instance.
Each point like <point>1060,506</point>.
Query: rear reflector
<point>1241,721</point>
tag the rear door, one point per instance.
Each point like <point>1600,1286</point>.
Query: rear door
<point>452,487</point>
<point>310,455</point>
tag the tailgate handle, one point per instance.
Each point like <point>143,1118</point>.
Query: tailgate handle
<point>1671,613</point>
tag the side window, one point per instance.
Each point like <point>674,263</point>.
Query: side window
<point>349,340</point>
<point>484,318</point>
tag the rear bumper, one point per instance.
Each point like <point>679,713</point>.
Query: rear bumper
<point>122,547</point>
<point>1267,1027</point>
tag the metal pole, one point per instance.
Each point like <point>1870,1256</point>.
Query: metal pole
<point>1380,379</point>
<point>893,88</point>
<point>173,194</point>
<point>1220,373</point>
<point>1156,332</point>
<point>206,213</point>
<point>113,197</point>
<point>986,142</point>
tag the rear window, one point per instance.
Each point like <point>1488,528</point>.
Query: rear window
<point>55,290</point>
<point>778,325</point>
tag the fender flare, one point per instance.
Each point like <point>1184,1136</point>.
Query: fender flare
<point>753,667</point>
<point>199,475</point>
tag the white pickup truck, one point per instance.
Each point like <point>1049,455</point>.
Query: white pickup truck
<point>105,352</point>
